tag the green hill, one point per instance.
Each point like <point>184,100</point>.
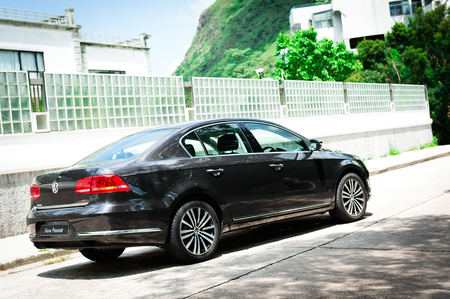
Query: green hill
<point>248,28</point>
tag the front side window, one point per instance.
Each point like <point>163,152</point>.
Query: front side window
<point>323,20</point>
<point>399,8</point>
<point>224,139</point>
<point>273,139</point>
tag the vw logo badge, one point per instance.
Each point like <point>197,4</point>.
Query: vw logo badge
<point>55,187</point>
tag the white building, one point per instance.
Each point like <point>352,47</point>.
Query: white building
<point>350,21</point>
<point>36,42</point>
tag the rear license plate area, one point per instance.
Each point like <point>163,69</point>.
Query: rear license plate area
<point>54,230</point>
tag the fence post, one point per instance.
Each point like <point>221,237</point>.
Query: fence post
<point>190,108</point>
<point>391,95</point>
<point>427,104</point>
<point>284,111</point>
<point>346,105</point>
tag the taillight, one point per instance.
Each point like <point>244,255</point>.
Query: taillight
<point>34,192</point>
<point>101,184</point>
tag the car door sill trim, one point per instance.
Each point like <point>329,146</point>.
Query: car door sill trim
<point>120,232</point>
<point>276,213</point>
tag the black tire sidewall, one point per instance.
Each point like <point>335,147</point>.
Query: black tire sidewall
<point>177,248</point>
<point>101,255</point>
<point>340,209</point>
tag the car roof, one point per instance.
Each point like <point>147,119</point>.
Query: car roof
<point>198,123</point>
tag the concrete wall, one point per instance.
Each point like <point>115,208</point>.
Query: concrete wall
<point>15,202</point>
<point>56,44</point>
<point>366,135</point>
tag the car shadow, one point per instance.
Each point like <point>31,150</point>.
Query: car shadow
<point>149,259</point>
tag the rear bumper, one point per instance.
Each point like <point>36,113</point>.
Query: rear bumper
<point>93,226</point>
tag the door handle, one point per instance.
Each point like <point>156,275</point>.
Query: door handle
<point>277,167</point>
<point>215,172</point>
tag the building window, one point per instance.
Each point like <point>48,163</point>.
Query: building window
<point>354,41</point>
<point>107,72</point>
<point>21,61</point>
<point>415,4</point>
<point>399,8</point>
<point>323,20</point>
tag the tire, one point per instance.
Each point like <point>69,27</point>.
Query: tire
<point>194,233</point>
<point>101,255</point>
<point>351,199</point>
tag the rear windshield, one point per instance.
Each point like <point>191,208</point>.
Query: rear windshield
<point>127,147</point>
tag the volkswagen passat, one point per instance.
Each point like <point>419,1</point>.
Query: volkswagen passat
<point>181,186</point>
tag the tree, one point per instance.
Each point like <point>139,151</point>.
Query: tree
<point>303,57</point>
<point>424,48</point>
<point>241,63</point>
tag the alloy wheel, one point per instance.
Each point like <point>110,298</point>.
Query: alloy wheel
<point>197,230</point>
<point>353,197</point>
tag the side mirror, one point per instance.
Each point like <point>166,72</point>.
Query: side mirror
<point>316,145</point>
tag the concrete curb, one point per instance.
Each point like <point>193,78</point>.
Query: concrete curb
<point>409,163</point>
<point>40,257</point>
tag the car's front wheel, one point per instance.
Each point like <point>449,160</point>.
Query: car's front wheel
<point>194,233</point>
<point>101,255</point>
<point>351,199</point>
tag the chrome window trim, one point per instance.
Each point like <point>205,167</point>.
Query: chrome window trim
<point>120,232</point>
<point>66,206</point>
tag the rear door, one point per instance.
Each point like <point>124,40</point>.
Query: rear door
<point>240,176</point>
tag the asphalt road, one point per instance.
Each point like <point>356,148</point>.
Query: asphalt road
<point>400,250</point>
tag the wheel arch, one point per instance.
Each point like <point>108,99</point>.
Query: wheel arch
<point>351,168</point>
<point>201,195</point>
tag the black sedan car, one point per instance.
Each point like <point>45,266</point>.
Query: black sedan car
<point>181,186</point>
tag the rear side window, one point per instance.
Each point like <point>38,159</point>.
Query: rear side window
<point>193,145</point>
<point>221,139</point>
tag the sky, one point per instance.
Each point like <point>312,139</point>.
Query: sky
<point>172,24</point>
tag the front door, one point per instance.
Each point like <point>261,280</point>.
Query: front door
<point>297,173</point>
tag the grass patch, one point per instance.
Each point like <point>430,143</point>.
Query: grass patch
<point>413,149</point>
<point>431,144</point>
<point>393,150</point>
<point>42,250</point>
<point>57,260</point>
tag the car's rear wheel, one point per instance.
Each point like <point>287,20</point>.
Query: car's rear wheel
<point>194,233</point>
<point>101,255</point>
<point>351,199</point>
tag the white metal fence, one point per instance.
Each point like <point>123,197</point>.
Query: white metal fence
<point>408,97</point>
<point>369,98</point>
<point>222,97</point>
<point>312,98</point>
<point>81,101</point>
<point>97,101</point>
<point>15,104</point>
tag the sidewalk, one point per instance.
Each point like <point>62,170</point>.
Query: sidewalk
<point>18,251</point>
